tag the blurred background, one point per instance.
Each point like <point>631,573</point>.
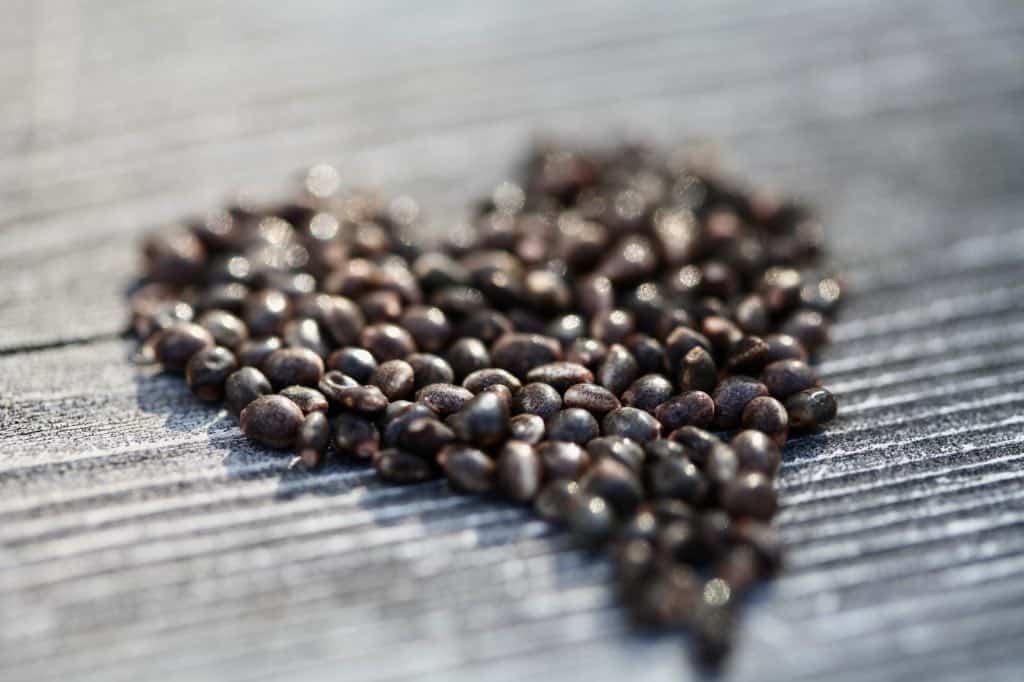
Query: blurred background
<point>142,538</point>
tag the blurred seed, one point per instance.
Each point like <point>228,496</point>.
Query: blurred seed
<point>612,326</point>
<point>591,520</point>
<point>752,315</point>
<point>587,352</point>
<point>357,363</point>
<point>254,352</point>
<point>698,443</point>
<point>368,400</point>
<point>381,306</point>
<point>518,471</point>
<point>397,423</point>
<point>272,420</point>
<point>395,379</point>
<point>562,459</point>
<point>615,483</point>
<point>566,328</point>
<point>313,438</point>
<point>528,428</point>
<point>808,327</point>
<point>756,452</point>
<point>178,343</point>
<point>680,342</point>
<point>396,466</point>
<point>811,408</point>
<point>677,478</point>
<point>784,347</point>
<point>467,469</point>
<point>207,370</point>
<point>482,421</point>
<point>623,450</point>
<point>387,342</point>
<point>226,329</point>
<point>428,326</point>
<point>341,318</point>
<point>573,425</point>
<point>631,423</point>
<point>650,355</point>
<point>723,335</point>
<point>556,498</point>
<point>486,325</point>
<point>308,399</point>
<point>242,387</point>
<point>519,353</point>
<point>663,448</point>
<point>618,370</point>
<point>266,312</point>
<point>750,494</point>
<point>424,436</point>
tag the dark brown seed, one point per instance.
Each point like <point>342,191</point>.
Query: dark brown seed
<point>786,377</point>
<point>693,408</point>
<point>176,256</point>
<point>176,345</point>
<point>811,408</point>
<point>629,422</point>
<point>483,421</point>
<point>396,466</point>
<point>368,400</point>
<point>519,353</point>
<point>622,450</point>
<point>467,469</point>
<point>769,416</point>
<point>595,399</point>
<point>562,459</point>
<point>713,533</point>
<point>752,315</point>
<point>293,366</point>
<point>714,631</point>
<point>723,335</point>
<point>634,564</point>
<point>698,371</point>
<point>444,399</point>
<point>483,378</point>
<point>387,342</point>
<point>556,498</point>
<point>528,428</point>
<point>536,398</point>
<point>595,294</point>
<point>546,291</point>
<point>357,363</point>
<point>756,452</point>
<point>573,425</point>
<point>591,520</point>
<point>560,375</point>
<point>396,423</point>
<point>722,465</point>
<point>731,397</point>
<point>680,342</point>
<point>633,258</point>
<point>612,326</point>
<point>649,353</point>
<point>647,392</point>
<point>780,288</point>
<point>254,352</point>
<point>748,356</point>
<point>226,329</point>
<point>764,540</point>
<point>784,347</point>
<point>272,420</point>
<point>677,478</point>
<point>670,319</point>
<point>739,569</point>
<point>424,436</point>
<point>698,443</point>
<point>486,325</point>
<point>313,438</point>
<point>677,539</point>
<point>207,370</point>
<point>663,448</point>
<point>809,327</point>
<point>750,494</point>
<point>428,326</point>
<point>668,598</point>
<point>519,471</point>
<point>459,302</point>
<point>587,352</point>
<point>341,318</point>
<point>618,370</point>
<point>381,306</point>
<point>266,312</point>
<point>333,383</point>
<point>466,356</point>
<point>429,369</point>
<point>566,328</point>
<point>615,483</point>
<point>435,270</point>
<point>395,379</point>
<point>308,399</point>
<point>502,391</point>
<point>305,333</point>
<point>242,387</point>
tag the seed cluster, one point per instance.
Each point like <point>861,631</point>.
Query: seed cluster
<point>622,343</point>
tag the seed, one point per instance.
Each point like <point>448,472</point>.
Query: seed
<point>244,386</point>
<point>615,483</point>
<point>333,383</point>
<point>769,416</point>
<point>429,369</point>
<point>357,363</point>
<point>722,465</point>
<point>518,471</point>
<point>764,540</point>
<point>266,312</point>
<point>629,422</point>
<point>698,443</point>
<point>226,329</point>
<point>731,397</point>
<point>483,378</point>
<point>612,326</point>
<point>693,408</point>
<point>556,498</point>
<point>748,356</point>
<point>713,532</point>
<point>750,494</point>
<point>591,520</point>
<point>595,399</point>
<point>670,320</point>
<point>786,377</point>
<point>566,328</point>
<point>396,466</point>
<point>459,302</point>
<point>668,597</point>
<point>680,342</point>
<point>562,459</point>
<point>756,452</point>
<point>272,420</point>
<point>618,370</point>
<point>587,352</point>
<point>739,569</point>
<point>467,356</point>
<point>308,399</point>
<point>622,450</point>
<point>809,327</point>
<point>519,353</point>
<point>573,425</point>
<point>178,343</point>
<point>486,325</point>
<point>632,259</point>
<point>714,631</point>
<point>207,370</point>
<point>312,440</point>
<point>444,399</point>
<point>528,428</point>
<point>428,326</point>
<point>424,436</point>
<point>355,436</point>
<point>647,392</point>
<point>395,379</point>
<point>677,478</point>
<point>752,315</point>
<point>811,408</point>
<point>387,342</point>
<point>560,375</point>
<point>341,318</point>
<point>483,421</point>
<point>175,256</point>
<point>723,335</point>
<point>546,291</point>
<point>537,398</point>
<point>368,400</point>
<point>649,353</point>
<point>784,347</point>
<point>467,469</point>
<point>381,306</point>
<point>663,448</point>
<point>435,270</point>
<point>698,371</point>
<point>254,352</point>
<point>396,426</point>
<point>293,366</point>
<point>305,333</point>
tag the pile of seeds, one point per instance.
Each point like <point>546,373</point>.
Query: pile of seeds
<point>622,343</point>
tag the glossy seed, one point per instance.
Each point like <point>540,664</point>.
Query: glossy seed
<point>519,353</point>
<point>332,384</point>
<point>207,371</point>
<point>429,369</point>
<point>623,450</point>
<point>595,399</point>
<point>444,399</point>
<point>632,423</point>
<point>756,452</point>
<point>698,371</point>
<point>769,416</point>
<point>612,326</point>
<point>357,363</point>
<point>266,311</point>
<point>395,425</point>
<point>784,347</point>
<point>591,520</point>
<point>305,333</point>
<point>428,326</point>
<point>341,318</point>
<point>355,436</point>
<point>403,468</point>
<point>731,397</point>
<point>244,386</point>
<point>395,378</point>
<point>748,356</point>
<point>693,408</point>
<point>254,352</point>
<point>528,428</point>
<point>466,356</point>
<point>312,440</point>
<point>368,400</point>
<point>272,420</point>
<point>811,408</point>
<point>482,421</point>
<point>618,370</point>
<point>176,345</point>
<point>482,378</point>
<point>387,342</point>
<point>467,469</point>
<point>293,366</point>
<point>786,377</point>
<point>560,375</point>
<point>518,471</point>
<point>648,352</point>
<point>677,478</point>
<point>572,425</point>
<point>587,352</point>
<point>308,399</point>
<point>537,398</point>
<point>698,443</point>
<point>227,330</point>
<point>562,459</point>
<point>556,498</point>
<point>680,342</point>
<point>485,325</point>
<point>614,482</point>
<point>647,392</point>
<point>750,494</point>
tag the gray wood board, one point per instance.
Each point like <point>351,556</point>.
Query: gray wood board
<point>142,537</point>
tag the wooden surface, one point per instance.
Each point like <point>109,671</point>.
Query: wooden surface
<point>142,538</point>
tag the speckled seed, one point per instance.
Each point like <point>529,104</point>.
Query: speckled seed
<point>429,369</point>
<point>332,384</point>
<point>587,352</point>
<point>573,425</point>
<point>560,375</point>
<point>466,356</point>
<point>748,356</point>
<point>293,366</point>
<point>680,342</point>
<point>731,397</point>
<point>518,471</point>
<point>428,326</point>
<point>387,342</point>
<point>693,408</point>
<point>811,408</point>
<point>483,421</point>
<point>308,399</point>
<point>769,416</point>
<point>242,387</point>
<point>467,469</point>
<point>528,428</point>
<point>647,392</point>
<point>615,483</point>
<point>786,377</point>
<point>482,378</point>
<point>396,466</point>
<point>622,450</point>
<point>272,420</point>
<point>357,363</point>
<point>698,371</point>
<point>784,347</point>
<point>313,439</point>
<point>556,498</point>
<point>519,353</point>
<point>632,423</point>
<point>756,452</point>
<point>677,478</point>
<point>395,379</point>
<point>536,398</point>
<point>444,399</point>
<point>207,370</point>
<point>649,353</point>
<point>618,370</point>
<point>368,400</point>
<point>355,436</point>
<point>254,352</point>
<point>698,443</point>
<point>597,400</point>
<point>750,494</point>
<point>227,329</point>
<point>562,459</point>
<point>591,520</point>
<point>177,344</point>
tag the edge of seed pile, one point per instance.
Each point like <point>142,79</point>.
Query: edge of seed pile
<point>622,342</point>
